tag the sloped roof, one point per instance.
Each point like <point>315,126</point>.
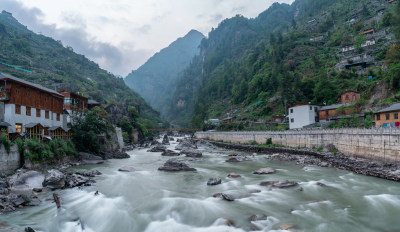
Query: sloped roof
<point>31,125</point>
<point>93,102</point>
<point>331,107</point>
<point>4,76</point>
<point>393,107</point>
<point>54,128</point>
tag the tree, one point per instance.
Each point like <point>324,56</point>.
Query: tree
<point>87,127</point>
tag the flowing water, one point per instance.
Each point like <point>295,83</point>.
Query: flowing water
<point>151,200</point>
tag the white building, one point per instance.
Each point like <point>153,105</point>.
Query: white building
<point>301,115</point>
<point>23,103</point>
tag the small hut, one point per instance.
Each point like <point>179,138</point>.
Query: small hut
<point>67,133</point>
<point>35,130</point>
<point>56,132</point>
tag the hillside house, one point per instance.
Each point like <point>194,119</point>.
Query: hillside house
<point>367,31</point>
<point>73,103</point>
<point>326,112</point>
<point>23,103</point>
<point>349,96</point>
<point>388,117</point>
<point>317,38</point>
<point>301,115</point>
<point>348,48</point>
<point>92,103</point>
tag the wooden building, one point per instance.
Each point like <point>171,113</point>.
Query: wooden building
<point>388,117</point>
<point>326,112</point>
<point>56,132</point>
<point>92,103</point>
<point>73,103</point>
<point>23,103</point>
<point>349,96</point>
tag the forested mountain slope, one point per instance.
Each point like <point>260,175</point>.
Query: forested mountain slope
<point>155,80</point>
<point>255,68</point>
<point>58,67</point>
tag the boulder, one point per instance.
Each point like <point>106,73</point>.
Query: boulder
<point>26,181</point>
<point>54,179</point>
<point>158,148</point>
<point>224,196</point>
<point>237,158</point>
<point>75,180</point>
<point>89,173</point>
<point>279,184</point>
<point>205,144</point>
<point>214,181</point>
<point>29,229</point>
<point>126,169</point>
<point>191,153</point>
<point>87,156</point>
<point>170,153</point>
<point>171,139</point>
<point>234,175</point>
<point>165,140</point>
<point>264,171</point>
<point>116,155</point>
<point>3,183</point>
<point>254,218</point>
<point>185,144</point>
<point>320,184</point>
<point>173,165</point>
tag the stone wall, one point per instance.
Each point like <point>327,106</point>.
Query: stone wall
<point>9,162</point>
<point>381,144</point>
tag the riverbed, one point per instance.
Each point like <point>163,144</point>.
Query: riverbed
<point>326,199</point>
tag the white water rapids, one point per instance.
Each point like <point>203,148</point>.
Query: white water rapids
<point>154,201</point>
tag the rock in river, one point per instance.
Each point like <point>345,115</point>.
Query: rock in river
<point>264,171</point>
<point>224,196</point>
<point>170,153</point>
<point>158,148</point>
<point>234,175</point>
<point>191,153</point>
<point>126,169</point>
<point>238,158</point>
<point>54,180</point>
<point>165,140</point>
<point>254,218</point>
<point>279,184</point>
<point>214,181</point>
<point>185,144</point>
<point>173,165</point>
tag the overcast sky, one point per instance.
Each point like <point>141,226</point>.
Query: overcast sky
<point>120,35</point>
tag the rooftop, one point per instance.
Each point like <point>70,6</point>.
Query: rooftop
<point>331,107</point>
<point>393,107</point>
<point>4,76</point>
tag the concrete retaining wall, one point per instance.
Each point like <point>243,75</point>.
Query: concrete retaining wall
<point>382,144</point>
<point>9,162</point>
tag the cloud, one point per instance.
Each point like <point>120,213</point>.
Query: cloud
<point>118,60</point>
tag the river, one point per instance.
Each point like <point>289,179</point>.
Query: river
<point>151,200</point>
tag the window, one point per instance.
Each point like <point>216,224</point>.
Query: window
<point>387,116</point>
<point>46,114</point>
<point>396,115</point>
<point>292,120</point>
<point>310,107</point>
<point>67,101</point>
<point>347,97</point>
<point>28,111</point>
<point>58,117</point>
<point>18,127</point>
<point>378,117</point>
<point>291,111</point>
<point>17,109</point>
<point>38,113</point>
<point>315,109</point>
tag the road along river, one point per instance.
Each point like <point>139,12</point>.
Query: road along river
<point>325,199</point>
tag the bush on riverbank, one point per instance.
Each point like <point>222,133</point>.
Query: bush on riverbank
<point>38,151</point>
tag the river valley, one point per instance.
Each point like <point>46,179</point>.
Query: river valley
<point>325,199</point>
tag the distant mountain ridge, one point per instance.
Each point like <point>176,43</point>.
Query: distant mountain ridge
<point>155,80</point>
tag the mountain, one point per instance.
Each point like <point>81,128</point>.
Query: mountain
<point>156,79</point>
<point>254,68</point>
<point>58,67</point>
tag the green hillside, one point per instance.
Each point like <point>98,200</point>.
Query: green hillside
<point>255,68</point>
<point>58,67</point>
<point>155,80</point>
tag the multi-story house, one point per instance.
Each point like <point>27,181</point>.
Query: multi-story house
<point>24,103</point>
<point>301,115</point>
<point>73,103</point>
<point>388,117</point>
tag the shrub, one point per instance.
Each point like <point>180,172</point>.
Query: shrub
<point>269,141</point>
<point>6,143</point>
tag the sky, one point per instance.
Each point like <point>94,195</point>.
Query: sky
<point>120,35</point>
